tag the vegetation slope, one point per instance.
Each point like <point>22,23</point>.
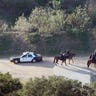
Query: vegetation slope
<point>47,26</point>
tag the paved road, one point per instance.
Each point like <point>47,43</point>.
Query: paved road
<point>76,71</point>
<point>24,71</point>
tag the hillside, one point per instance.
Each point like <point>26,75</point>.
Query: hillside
<point>47,26</point>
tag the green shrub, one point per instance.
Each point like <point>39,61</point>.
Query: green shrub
<point>57,86</point>
<point>93,84</point>
<point>8,85</point>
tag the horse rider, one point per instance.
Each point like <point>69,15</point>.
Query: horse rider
<point>68,52</point>
<point>93,56</point>
<point>62,54</point>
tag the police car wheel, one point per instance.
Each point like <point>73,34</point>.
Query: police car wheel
<point>34,60</point>
<point>16,61</point>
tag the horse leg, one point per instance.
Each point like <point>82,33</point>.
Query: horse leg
<point>72,60</point>
<point>54,60</point>
<point>88,63</point>
<point>57,61</point>
<point>62,62</point>
<point>69,61</point>
<point>65,62</point>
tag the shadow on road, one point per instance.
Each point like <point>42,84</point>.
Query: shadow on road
<point>75,68</point>
<point>81,71</point>
<point>92,70</point>
<point>85,68</point>
<point>38,64</point>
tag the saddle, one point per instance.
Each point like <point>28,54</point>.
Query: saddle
<point>62,57</point>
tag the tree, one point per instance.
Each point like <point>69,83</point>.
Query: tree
<point>78,21</point>
<point>21,24</point>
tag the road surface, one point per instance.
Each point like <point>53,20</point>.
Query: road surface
<point>76,71</point>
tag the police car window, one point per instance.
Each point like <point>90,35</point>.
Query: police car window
<point>24,56</point>
<point>29,55</point>
<point>35,54</point>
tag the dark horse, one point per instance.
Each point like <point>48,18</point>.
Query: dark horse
<point>57,58</point>
<point>91,61</point>
<point>64,58</point>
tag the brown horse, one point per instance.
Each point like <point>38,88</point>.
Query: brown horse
<point>65,57</point>
<point>70,57</point>
<point>90,61</point>
<point>57,58</point>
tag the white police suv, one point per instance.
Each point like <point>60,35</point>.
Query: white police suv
<point>27,57</point>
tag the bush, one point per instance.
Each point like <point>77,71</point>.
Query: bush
<point>57,86</point>
<point>52,86</point>
<point>93,84</point>
<point>8,85</point>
